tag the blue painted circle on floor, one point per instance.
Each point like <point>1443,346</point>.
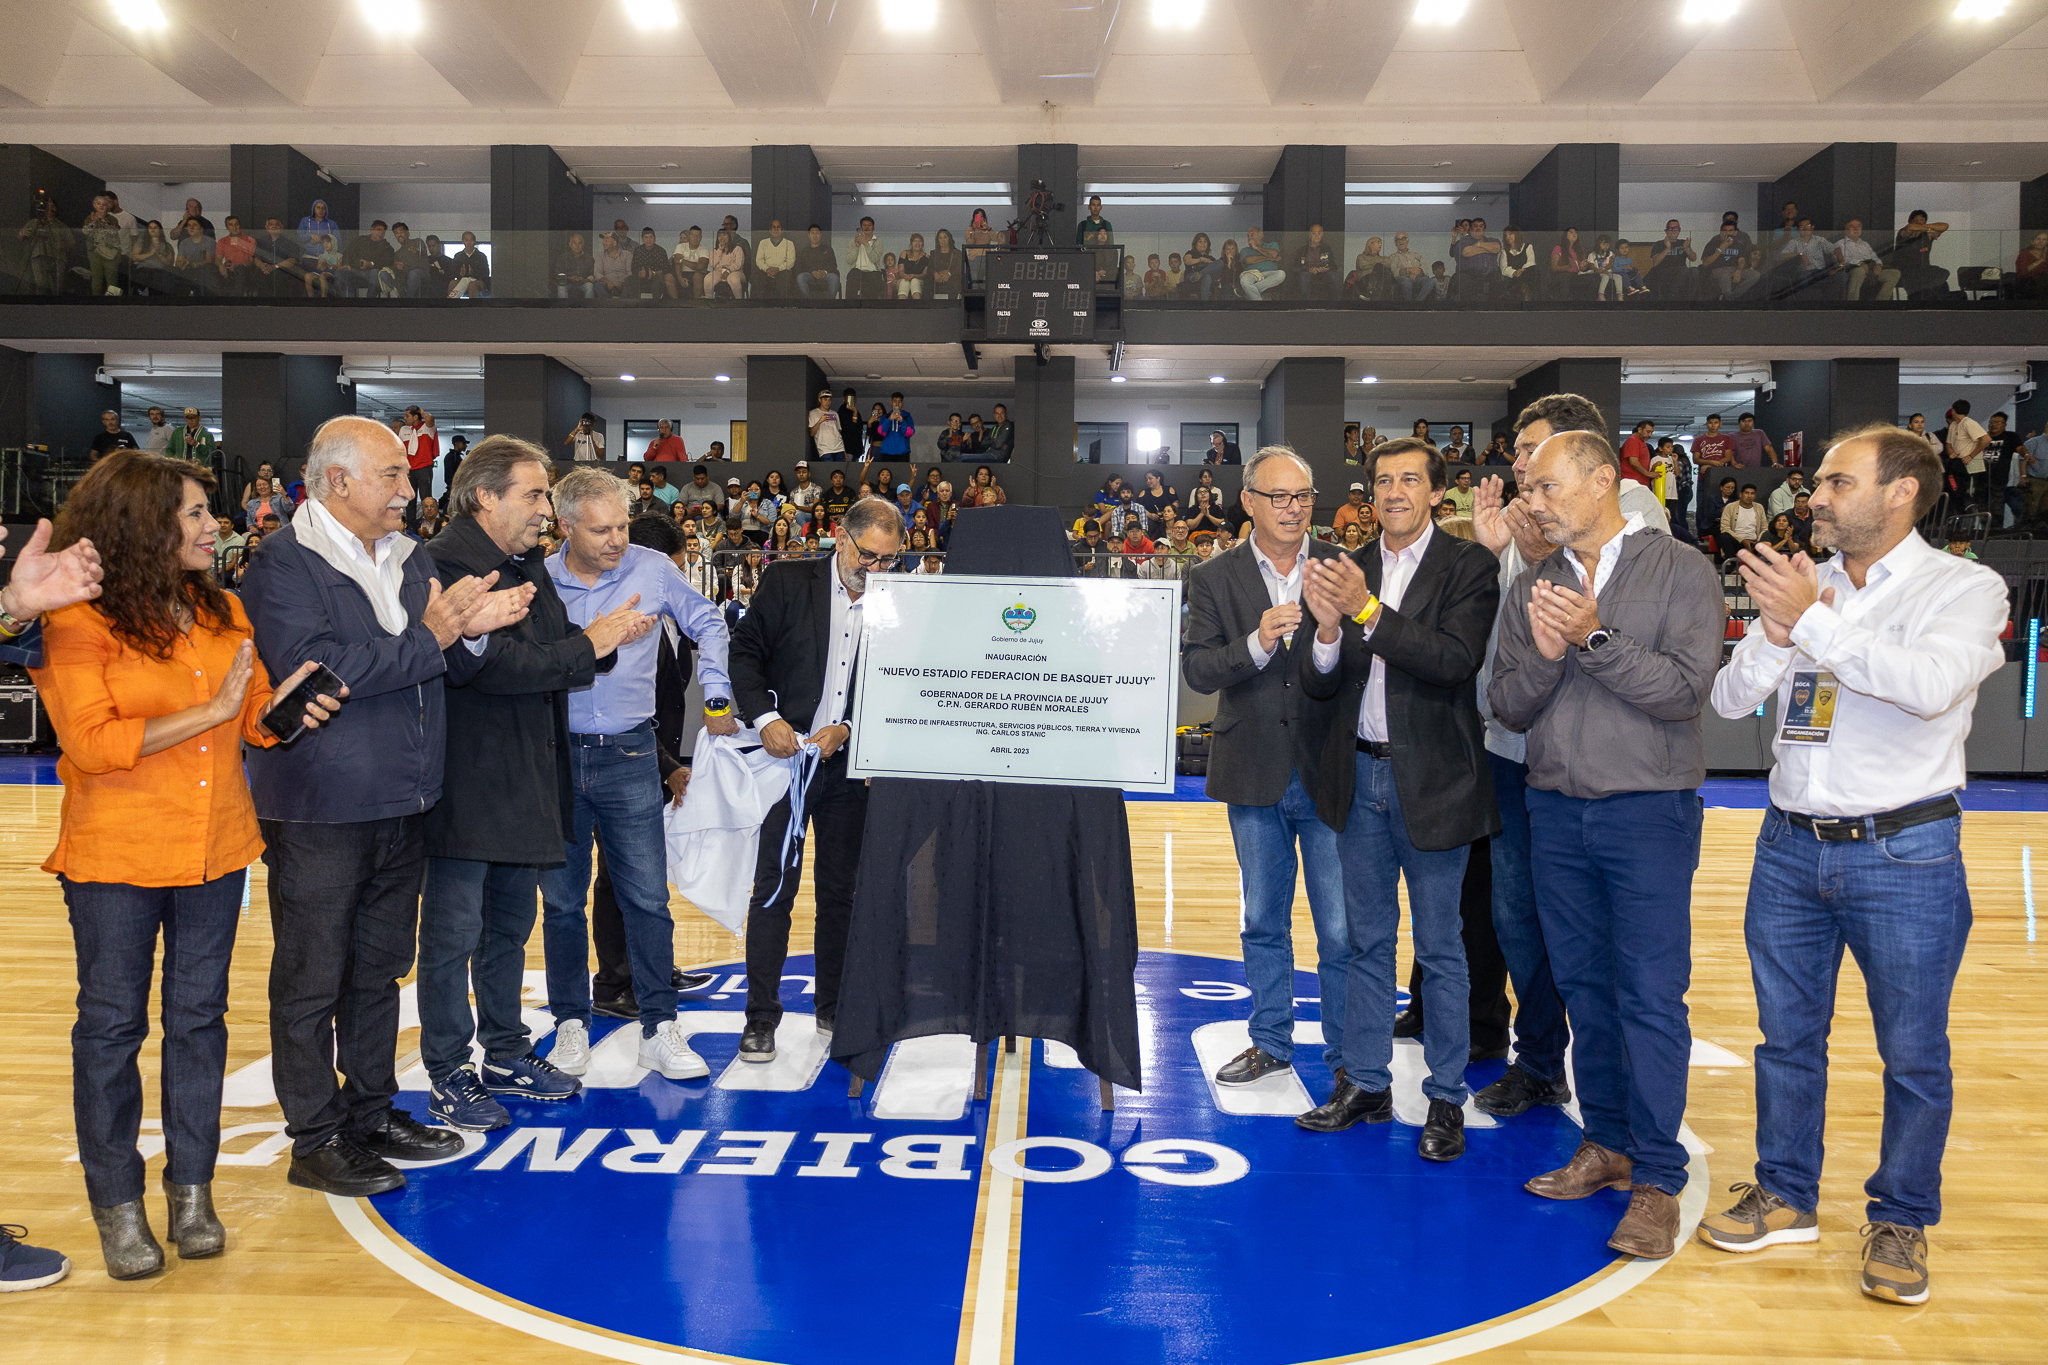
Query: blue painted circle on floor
<point>603,1210</point>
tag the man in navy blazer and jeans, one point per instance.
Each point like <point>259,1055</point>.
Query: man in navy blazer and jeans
<point>343,810</point>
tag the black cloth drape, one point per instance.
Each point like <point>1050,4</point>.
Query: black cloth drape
<point>994,908</point>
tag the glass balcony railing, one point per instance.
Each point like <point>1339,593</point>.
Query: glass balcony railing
<point>1929,267</point>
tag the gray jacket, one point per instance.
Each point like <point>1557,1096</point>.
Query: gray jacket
<point>1626,717</point>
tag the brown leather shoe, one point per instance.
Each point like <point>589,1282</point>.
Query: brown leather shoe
<point>1592,1169</point>
<point>1650,1227</point>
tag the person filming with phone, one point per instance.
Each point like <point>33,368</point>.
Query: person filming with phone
<point>154,688</point>
<point>343,813</point>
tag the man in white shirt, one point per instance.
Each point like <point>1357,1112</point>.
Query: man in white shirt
<point>826,438</point>
<point>158,438</point>
<point>1401,780</point>
<point>1966,442</point>
<point>1875,658</point>
<point>775,260</point>
<point>1862,271</point>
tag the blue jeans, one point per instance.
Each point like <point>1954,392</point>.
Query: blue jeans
<point>475,919</point>
<point>1210,275</point>
<point>1259,279</point>
<point>1376,853</point>
<point>826,288</point>
<point>1415,287</point>
<point>114,927</point>
<point>1265,837</point>
<point>1540,1031</point>
<point>1614,893</point>
<point>1902,906</point>
<point>619,796</point>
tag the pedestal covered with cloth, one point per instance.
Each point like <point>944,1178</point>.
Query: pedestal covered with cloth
<point>994,908</point>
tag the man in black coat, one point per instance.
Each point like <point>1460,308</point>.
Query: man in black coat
<point>505,803</point>
<point>1244,611</point>
<point>1401,629</point>
<point>794,664</point>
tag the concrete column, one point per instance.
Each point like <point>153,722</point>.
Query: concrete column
<point>271,405</point>
<point>535,205</point>
<point>1842,181</point>
<point>50,399</point>
<point>789,185</point>
<point>1597,379</point>
<point>536,398</point>
<point>2030,414</point>
<point>781,389</point>
<point>282,182</point>
<point>1058,164</point>
<point>1575,185</point>
<point>1042,468</point>
<point>26,171</point>
<point>1302,406</point>
<point>1818,398</point>
<point>1306,188</point>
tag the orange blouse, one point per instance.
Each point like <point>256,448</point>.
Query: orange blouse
<point>179,817</point>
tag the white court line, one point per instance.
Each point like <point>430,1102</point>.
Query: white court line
<point>992,1328</point>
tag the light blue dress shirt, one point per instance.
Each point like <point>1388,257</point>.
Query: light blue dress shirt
<point>623,698</point>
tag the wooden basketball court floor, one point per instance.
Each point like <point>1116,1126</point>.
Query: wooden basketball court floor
<point>293,1286</point>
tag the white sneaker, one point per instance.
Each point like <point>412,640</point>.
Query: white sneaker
<point>571,1052</point>
<point>669,1053</point>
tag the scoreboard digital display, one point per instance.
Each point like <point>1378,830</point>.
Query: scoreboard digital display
<point>1041,294</point>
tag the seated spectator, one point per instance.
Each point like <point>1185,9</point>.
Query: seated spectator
<point>891,273</point>
<point>977,434</point>
<point>1198,269</point>
<point>1091,552</point>
<point>1347,516</point>
<point>276,262</point>
<point>690,262</point>
<point>1601,264</point>
<point>952,442</point>
<point>1315,266</point>
<point>469,271</point>
<point>1567,265</point>
<point>1372,275</point>
<point>1261,270</point>
<point>1154,286</point>
<point>1959,546</point>
<point>983,491</point>
<point>1411,280</point>
<point>817,267</point>
<point>1748,279</point>
<point>1784,537</point>
<point>1806,256</point>
<point>152,261</point>
<point>366,264</point>
<point>408,263</point>
<point>657,483</point>
<point>1912,247</point>
<point>576,270</point>
<point>653,276</point>
<point>1743,522</point>
<point>1801,513</point>
<point>1726,250</point>
<point>1459,496</point>
<point>1632,283</point>
<point>1478,264</point>
<point>1668,276</point>
<point>1712,502</point>
<point>1782,496</point>
<point>725,276</point>
<point>775,263</point>
<point>948,268</point>
<point>1229,269</point>
<point>1133,278</point>
<point>2030,269</point>
<point>1862,272</point>
<point>234,257</point>
<point>1175,274</point>
<point>912,267</point>
<point>1438,282</point>
<point>614,265</point>
<point>666,445</point>
<point>429,521</point>
<point>195,273</point>
<point>1517,263</point>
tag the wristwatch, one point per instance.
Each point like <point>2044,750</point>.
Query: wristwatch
<point>717,706</point>
<point>1598,637</point>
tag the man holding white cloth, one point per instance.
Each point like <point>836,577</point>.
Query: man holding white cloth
<point>1875,658</point>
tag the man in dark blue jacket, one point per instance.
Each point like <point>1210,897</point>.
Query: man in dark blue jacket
<point>343,810</point>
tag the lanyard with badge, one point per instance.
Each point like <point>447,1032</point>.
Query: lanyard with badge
<point>1810,711</point>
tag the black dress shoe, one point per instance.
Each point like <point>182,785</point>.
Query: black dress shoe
<point>757,1044</point>
<point>1443,1133</point>
<point>1408,1023</point>
<point>826,1019</point>
<point>1348,1105</point>
<point>691,981</point>
<point>338,1166</point>
<point>398,1136</point>
<point>1248,1066</point>
<point>617,1007</point>
<point>1489,1054</point>
<point>1517,1092</point>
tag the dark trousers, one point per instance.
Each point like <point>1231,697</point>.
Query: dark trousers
<point>1614,890</point>
<point>864,284</point>
<point>422,483</point>
<point>1484,964</point>
<point>608,930</point>
<point>475,919</point>
<point>344,911</point>
<point>837,813</point>
<point>1540,1032</point>
<point>114,927</point>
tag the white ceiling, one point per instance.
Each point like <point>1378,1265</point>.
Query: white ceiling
<point>1213,100</point>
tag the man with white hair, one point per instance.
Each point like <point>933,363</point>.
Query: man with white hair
<point>615,776</point>
<point>343,811</point>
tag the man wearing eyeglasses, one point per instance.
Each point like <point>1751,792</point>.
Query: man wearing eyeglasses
<point>793,662</point>
<point>1244,612</point>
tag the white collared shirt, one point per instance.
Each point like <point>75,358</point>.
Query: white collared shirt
<point>1280,588</point>
<point>1610,555</point>
<point>1397,571</point>
<point>1907,651</point>
<point>842,645</point>
<point>380,576</point>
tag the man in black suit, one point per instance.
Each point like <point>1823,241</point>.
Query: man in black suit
<point>794,663</point>
<point>1221,451</point>
<point>1401,630</point>
<point>1244,607</point>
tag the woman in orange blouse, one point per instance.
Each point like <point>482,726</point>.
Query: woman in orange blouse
<point>152,690</point>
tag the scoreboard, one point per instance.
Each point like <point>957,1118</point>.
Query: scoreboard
<point>1041,294</point>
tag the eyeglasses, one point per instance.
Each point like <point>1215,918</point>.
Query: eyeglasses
<point>1281,501</point>
<point>868,561</point>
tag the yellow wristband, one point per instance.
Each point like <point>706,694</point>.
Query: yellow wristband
<point>1372,604</point>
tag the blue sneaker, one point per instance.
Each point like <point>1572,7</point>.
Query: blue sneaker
<point>25,1267</point>
<point>532,1077</point>
<point>460,1102</point>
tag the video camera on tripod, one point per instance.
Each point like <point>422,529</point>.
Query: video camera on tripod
<point>1031,229</point>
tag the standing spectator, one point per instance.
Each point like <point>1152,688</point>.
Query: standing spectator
<point>946,271</point>
<point>2005,471</point>
<point>1399,636</point>
<point>891,433</point>
<point>1086,230</point>
<point>864,263</point>
<point>1863,272</point>
<point>852,430</point>
<point>1001,438</point>
<point>980,236</point>
<point>156,835</point>
<point>817,267</point>
<point>110,437</point>
<point>666,447</point>
<point>422,442</point>
<point>506,795</point>
<point>341,811</point>
<point>315,225</point>
<point>586,441</point>
<point>1607,650</point>
<point>1861,847</point>
<point>1478,265</point>
<point>794,661</point>
<point>157,439</point>
<point>48,249</point>
<point>828,441</point>
<point>2034,454</point>
<point>458,446</point>
<point>617,787</point>
<point>1636,454</point>
<point>191,442</point>
<point>1917,424</point>
<point>106,247</point>
<point>1752,449</point>
<point>576,270</point>
<point>1261,267</point>
<point>775,262</point>
<point>2030,268</point>
<point>1966,445</point>
<point>1714,446</point>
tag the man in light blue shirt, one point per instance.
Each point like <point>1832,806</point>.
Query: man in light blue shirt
<point>615,771</point>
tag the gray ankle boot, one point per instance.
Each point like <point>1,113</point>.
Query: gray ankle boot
<point>193,1227</point>
<point>130,1248</point>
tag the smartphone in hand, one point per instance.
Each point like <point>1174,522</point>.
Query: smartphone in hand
<point>288,717</point>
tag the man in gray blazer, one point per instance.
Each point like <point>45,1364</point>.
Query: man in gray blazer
<point>1244,612</point>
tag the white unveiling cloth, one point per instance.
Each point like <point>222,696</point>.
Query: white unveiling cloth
<point>714,836</point>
